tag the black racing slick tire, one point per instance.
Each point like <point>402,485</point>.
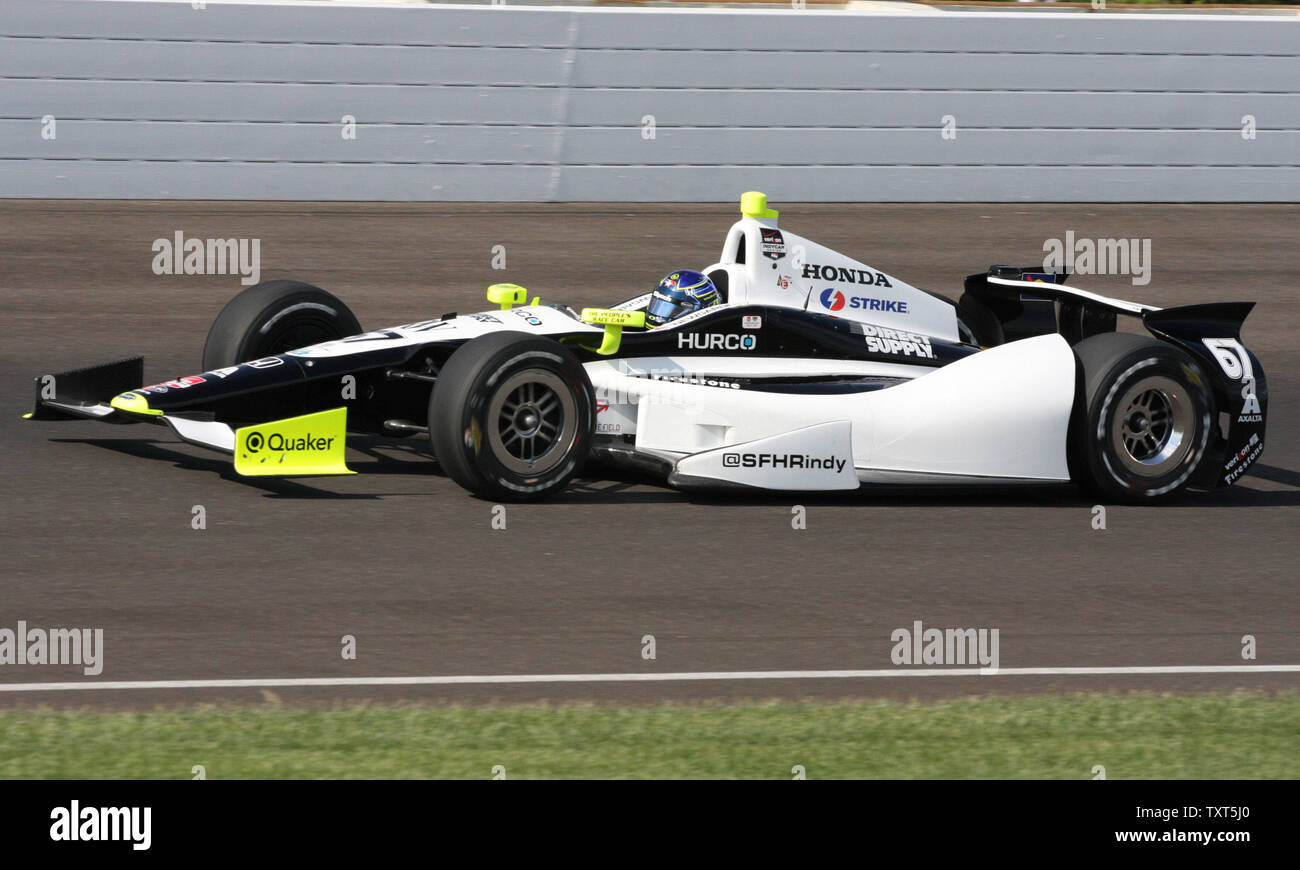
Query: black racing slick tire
<point>976,318</point>
<point>511,417</point>
<point>1141,421</point>
<point>972,326</point>
<point>272,318</point>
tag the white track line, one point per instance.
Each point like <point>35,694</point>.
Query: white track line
<point>508,679</point>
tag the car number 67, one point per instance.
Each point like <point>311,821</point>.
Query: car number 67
<point>1231,356</point>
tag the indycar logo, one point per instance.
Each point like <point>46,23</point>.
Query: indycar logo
<point>716,341</point>
<point>773,244</point>
<point>834,300</point>
<point>897,342</point>
<point>845,276</point>
<point>280,444</point>
<point>783,460</point>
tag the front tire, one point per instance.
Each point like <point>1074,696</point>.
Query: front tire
<point>272,318</point>
<point>1142,421</point>
<point>511,417</point>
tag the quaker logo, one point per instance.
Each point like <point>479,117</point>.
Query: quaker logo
<point>783,460</point>
<point>280,444</point>
<point>716,341</point>
<point>485,318</point>
<point>773,244</point>
<point>845,276</point>
<point>833,299</point>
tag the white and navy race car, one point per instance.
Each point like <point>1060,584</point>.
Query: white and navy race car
<point>813,372</point>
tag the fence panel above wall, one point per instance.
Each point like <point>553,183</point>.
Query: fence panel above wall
<point>140,99</point>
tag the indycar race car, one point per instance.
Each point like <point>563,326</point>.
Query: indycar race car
<point>812,371</point>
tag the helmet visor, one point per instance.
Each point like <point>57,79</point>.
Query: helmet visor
<point>663,308</point>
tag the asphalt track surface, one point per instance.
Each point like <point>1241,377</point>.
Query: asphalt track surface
<point>96,520</point>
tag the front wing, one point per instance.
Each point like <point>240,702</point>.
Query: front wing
<point>310,444</point>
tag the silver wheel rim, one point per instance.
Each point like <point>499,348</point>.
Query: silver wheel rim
<point>1151,428</point>
<point>531,422</point>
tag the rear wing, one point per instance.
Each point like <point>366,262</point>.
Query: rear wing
<point>1028,301</point>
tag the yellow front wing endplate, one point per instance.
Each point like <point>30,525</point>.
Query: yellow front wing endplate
<point>310,444</point>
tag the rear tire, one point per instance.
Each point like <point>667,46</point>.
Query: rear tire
<point>272,318</point>
<point>1142,420</point>
<point>980,321</point>
<point>511,417</point>
<point>974,326</point>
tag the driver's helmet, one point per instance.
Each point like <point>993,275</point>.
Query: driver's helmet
<point>680,293</point>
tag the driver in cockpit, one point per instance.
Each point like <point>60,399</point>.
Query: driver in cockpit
<point>682,292</point>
